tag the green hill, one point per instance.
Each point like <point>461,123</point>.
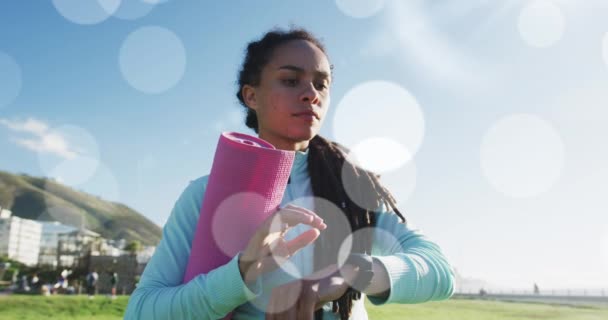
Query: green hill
<point>47,200</point>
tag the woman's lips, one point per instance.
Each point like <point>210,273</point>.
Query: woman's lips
<point>306,117</point>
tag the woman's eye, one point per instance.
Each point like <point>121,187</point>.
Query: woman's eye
<point>290,82</point>
<point>321,86</point>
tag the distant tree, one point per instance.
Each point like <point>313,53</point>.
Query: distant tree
<point>29,205</point>
<point>133,247</point>
<point>6,197</point>
<point>9,268</point>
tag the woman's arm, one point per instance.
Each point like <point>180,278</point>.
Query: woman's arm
<point>414,267</point>
<point>160,293</point>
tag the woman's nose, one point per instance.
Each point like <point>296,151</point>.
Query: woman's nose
<point>310,94</point>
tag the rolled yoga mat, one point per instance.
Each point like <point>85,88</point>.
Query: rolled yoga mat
<point>246,185</point>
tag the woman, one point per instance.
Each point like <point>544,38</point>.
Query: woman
<point>284,85</point>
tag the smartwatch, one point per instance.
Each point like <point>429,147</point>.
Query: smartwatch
<point>365,263</point>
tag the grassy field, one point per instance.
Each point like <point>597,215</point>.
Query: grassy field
<point>79,307</point>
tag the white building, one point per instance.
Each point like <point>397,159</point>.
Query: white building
<point>105,247</point>
<point>64,245</point>
<point>49,241</point>
<point>75,245</point>
<point>19,238</point>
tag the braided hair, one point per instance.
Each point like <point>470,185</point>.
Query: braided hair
<point>327,164</point>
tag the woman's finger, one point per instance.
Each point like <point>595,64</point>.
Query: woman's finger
<point>274,255</point>
<point>291,218</point>
<point>270,257</point>
<point>279,248</point>
<point>295,216</point>
<point>304,210</point>
<point>307,237</point>
<point>279,221</point>
<point>285,219</point>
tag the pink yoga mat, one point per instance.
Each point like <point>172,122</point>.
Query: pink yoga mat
<point>246,185</point>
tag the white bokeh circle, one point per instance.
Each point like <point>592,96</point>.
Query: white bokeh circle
<point>360,8</point>
<point>605,48</point>
<point>152,59</point>
<point>352,187</point>
<point>103,185</point>
<point>277,248</point>
<point>392,112</point>
<point>541,23</point>
<point>233,222</point>
<point>522,155</point>
<point>337,225</point>
<point>401,183</point>
<point>369,155</point>
<point>10,79</point>
<point>383,242</point>
<point>68,215</point>
<point>76,171</point>
<point>70,154</point>
<point>55,207</point>
<point>86,11</point>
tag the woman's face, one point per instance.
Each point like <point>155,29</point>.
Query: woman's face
<point>293,95</point>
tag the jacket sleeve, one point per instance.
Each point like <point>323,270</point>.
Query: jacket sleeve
<point>160,293</point>
<point>417,269</point>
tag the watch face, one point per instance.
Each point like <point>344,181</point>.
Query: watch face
<point>365,264</point>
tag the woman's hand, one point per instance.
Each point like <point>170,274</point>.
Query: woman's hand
<point>300,299</point>
<point>267,248</point>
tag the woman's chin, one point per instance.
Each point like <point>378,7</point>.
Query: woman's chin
<point>303,135</point>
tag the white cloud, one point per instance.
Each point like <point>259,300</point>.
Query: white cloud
<point>30,125</point>
<point>43,140</point>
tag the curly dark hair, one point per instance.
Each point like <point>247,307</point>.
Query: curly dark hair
<point>326,161</point>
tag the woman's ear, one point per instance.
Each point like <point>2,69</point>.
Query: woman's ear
<point>249,96</point>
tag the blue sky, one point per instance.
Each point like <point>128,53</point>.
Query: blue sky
<point>486,118</point>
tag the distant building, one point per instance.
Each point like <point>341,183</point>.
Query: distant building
<point>50,240</point>
<point>68,246</point>
<point>73,246</point>
<point>19,238</point>
<point>106,247</point>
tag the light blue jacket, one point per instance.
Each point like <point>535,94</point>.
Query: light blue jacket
<point>417,269</point>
